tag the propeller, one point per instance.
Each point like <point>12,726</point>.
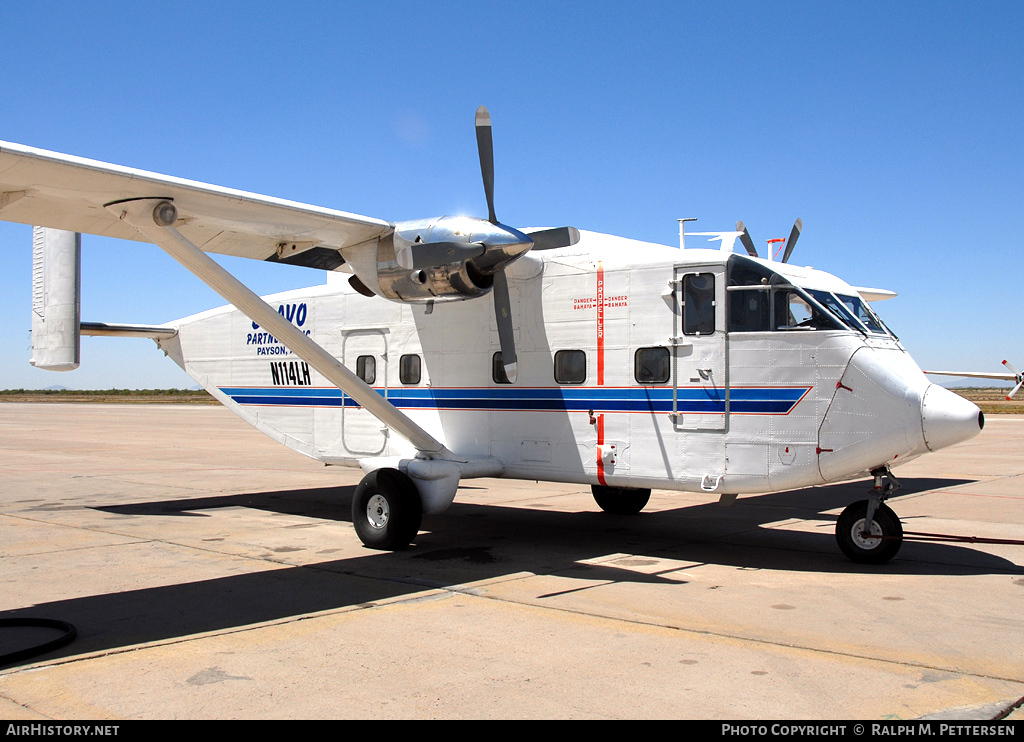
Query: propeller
<point>486,247</point>
<point>502,301</point>
<point>748,243</point>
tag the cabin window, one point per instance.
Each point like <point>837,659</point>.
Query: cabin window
<point>498,374</point>
<point>651,365</point>
<point>570,367</point>
<point>699,304</point>
<point>409,369</point>
<point>366,368</point>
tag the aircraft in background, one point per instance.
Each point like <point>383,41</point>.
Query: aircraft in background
<point>618,364</point>
<point>1012,375</point>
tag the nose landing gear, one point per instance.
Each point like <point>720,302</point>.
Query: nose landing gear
<point>868,531</point>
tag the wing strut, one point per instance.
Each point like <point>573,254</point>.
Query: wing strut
<point>154,218</point>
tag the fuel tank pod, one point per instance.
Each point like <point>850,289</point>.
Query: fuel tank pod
<point>56,305</point>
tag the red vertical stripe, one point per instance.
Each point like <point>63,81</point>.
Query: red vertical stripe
<point>600,324</point>
<point>600,442</point>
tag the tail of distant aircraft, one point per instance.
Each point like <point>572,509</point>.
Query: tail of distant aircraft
<point>56,299</point>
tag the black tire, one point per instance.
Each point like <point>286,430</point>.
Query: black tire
<point>620,500</point>
<point>881,546</point>
<point>386,510</point>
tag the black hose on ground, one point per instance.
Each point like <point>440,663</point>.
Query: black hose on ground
<point>70,632</point>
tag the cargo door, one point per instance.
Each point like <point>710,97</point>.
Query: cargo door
<point>700,395</point>
<point>365,354</point>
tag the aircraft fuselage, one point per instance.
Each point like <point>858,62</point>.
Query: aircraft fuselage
<point>640,366</point>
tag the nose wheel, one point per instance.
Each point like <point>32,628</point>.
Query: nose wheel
<point>874,544</point>
<point>868,531</point>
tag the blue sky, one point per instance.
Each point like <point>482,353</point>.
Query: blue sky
<point>892,129</point>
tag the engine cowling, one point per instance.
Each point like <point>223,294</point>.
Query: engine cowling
<point>409,266</point>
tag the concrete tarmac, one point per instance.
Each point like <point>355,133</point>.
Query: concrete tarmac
<point>213,573</point>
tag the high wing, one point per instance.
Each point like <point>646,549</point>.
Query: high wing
<point>64,192</point>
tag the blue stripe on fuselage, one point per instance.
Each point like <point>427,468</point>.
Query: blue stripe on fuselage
<point>743,400</point>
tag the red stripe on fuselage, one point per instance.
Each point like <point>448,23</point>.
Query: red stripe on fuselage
<point>600,324</point>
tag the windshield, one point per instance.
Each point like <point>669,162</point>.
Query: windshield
<point>795,310</point>
<point>864,313</point>
<point>832,303</point>
<point>762,300</point>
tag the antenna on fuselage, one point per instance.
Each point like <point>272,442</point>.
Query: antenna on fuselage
<point>682,230</point>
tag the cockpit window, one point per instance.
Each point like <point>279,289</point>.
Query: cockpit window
<point>862,312</point>
<point>745,272</point>
<point>831,302</point>
<point>794,311</point>
<point>761,299</point>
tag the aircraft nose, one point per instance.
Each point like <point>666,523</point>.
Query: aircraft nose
<point>948,418</point>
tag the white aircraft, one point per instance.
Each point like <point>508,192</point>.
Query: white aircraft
<point>606,361</point>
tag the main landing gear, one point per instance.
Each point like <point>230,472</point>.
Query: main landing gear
<point>868,531</point>
<point>620,500</point>
<point>386,510</point>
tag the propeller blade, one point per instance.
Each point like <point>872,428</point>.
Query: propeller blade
<point>1020,379</point>
<point>503,314</point>
<point>798,227</point>
<point>551,239</point>
<point>485,146</point>
<point>433,254</point>
<point>745,239</point>
<point>1014,390</point>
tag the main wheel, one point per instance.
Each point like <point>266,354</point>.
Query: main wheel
<point>880,545</point>
<point>620,500</point>
<point>386,510</point>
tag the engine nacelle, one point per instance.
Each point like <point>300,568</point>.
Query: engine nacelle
<point>495,246</point>
<point>454,281</point>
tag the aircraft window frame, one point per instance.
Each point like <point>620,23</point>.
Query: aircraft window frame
<point>699,305</point>
<point>570,367</point>
<point>366,369</point>
<point>498,375</point>
<point>648,360</point>
<point>410,369</point>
